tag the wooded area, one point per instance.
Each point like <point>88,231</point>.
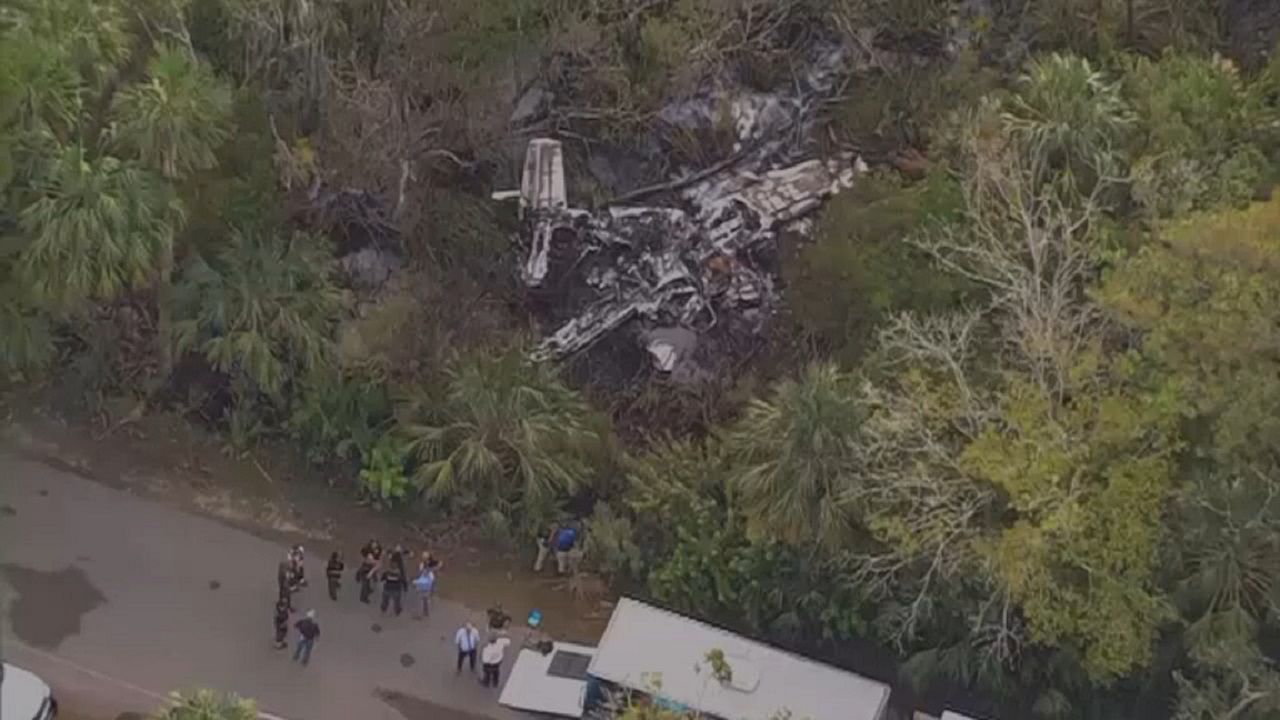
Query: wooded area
<point>1018,424</point>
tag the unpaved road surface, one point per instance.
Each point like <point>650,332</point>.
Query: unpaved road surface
<point>116,600</point>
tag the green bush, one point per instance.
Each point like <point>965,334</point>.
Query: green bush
<point>610,546</point>
<point>383,480</point>
<point>859,267</point>
<point>339,414</point>
<point>1198,127</point>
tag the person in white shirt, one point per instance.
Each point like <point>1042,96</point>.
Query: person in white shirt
<point>491,659</point>
<point>467,639</point>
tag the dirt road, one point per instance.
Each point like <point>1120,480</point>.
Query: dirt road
<point>116,599</point>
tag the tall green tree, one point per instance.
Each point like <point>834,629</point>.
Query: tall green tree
<point>262,310</point>
<point>506,434</point>
<point>97,226</point>
<point>796,456</point>
<point>1205,303</point>
<point>173,121</point>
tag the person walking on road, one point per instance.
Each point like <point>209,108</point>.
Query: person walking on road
<point>393,582</point>
<point>370,559</point>
<point>424,585</point>
<point>296,556</point>
<point>282,623</point>
<point>467,638</point>
<point>333,571</point>
<point>286,580</point>
<point>491,659</point>
<point>308,633</point>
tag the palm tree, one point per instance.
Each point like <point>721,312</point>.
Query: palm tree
<point>97,226</point>
<point>174,121</point>
<point>506,432</point>
<point>91,37</point>
<point>261,308</point>
<point>1068,116</point>
<point>177,118</point>
<point>207,705</point>
<point>797,457</point>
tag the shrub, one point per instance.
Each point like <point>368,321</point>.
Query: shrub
<point>383,481</point>
<point>1198,125</point>
<point>339,414</point>
<point>859,268</point>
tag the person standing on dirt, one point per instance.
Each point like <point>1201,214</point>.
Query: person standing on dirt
<point>282,623</point>
<point>333,571</point>
<point>393,582</point>
<point>428,561</point>
<point>308,633</point>
<point>491,659</point>
<point>498,619</point>
<point>565,538</point>
<point>544,546</point>
<point>467,639</point>
<point>370,559</point>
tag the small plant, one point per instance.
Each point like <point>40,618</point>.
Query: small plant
<point>721,670</point>
<point>382,479</point>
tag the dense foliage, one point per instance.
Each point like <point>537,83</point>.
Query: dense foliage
<point>1018,427</point>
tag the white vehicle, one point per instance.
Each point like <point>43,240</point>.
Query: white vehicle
<point>23,696</point>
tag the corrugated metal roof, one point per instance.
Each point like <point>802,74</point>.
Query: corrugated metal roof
<point>644,644</point>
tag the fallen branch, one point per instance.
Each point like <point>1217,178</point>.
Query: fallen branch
<point>261,469</point>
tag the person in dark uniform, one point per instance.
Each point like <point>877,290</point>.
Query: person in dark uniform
<point>498,618</point>
<point>286,580</point>
<point>297,555</point>
<point>282,623</point>
<point>393,581</point>
<point>370,559</point>
<point>333,571</point>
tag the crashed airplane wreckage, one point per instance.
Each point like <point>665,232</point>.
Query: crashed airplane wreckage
<point>704,261</point>
<point>665,266</point>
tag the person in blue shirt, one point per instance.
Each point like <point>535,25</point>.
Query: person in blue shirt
<point>565,538</point>
<point>424,585</point>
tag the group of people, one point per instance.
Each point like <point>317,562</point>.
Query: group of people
<point>390,571</point>
<point>391,574</point>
